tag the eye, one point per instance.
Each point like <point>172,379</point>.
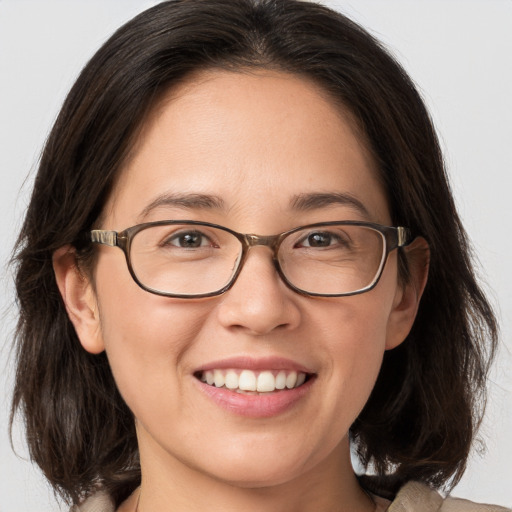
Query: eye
<point>319,239</point>
<point>188,240</point>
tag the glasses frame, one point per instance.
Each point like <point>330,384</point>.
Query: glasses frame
<point>394,237</point>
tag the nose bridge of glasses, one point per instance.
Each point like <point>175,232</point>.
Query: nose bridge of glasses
<point>267,241</point>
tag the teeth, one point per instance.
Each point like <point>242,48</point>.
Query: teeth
<point>231,380</point>
<point>281,380</point>
<point>218,378</point>
<point>291,380</point>
<point>247,381</point>
<point>266,382</point>
<point>301,377</point>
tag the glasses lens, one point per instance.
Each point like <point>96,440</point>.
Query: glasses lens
<point>184,259</point>
<point>332,259</point>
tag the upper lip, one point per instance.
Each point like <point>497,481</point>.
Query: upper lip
<point>255,364</point>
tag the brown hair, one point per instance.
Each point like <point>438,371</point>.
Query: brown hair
<point>420,420</point>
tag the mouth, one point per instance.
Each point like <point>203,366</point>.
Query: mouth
<point>245,381</point>
<point>261,387</point>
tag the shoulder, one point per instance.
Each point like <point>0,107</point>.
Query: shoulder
<point>98,502</point>
<point>418,497</point>
<point>458,505</point>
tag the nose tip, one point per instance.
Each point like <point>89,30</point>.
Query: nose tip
<point>259,301</point>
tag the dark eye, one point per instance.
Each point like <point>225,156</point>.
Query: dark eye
<point>318,240</point>
<point>189,240</point>
<point>327,239</point>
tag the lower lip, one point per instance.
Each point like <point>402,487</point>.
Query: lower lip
<point>264,405</point>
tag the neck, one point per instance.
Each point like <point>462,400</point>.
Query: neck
<point>169,485</point>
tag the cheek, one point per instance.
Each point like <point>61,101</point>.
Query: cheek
<point>145,337</point>
<point>356,326</point>
<point>358,359</point>
<point>136,321</point>
<point>354,330</point>
<point>355,350</point>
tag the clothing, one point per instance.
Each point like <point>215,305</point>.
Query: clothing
<point>417,497</point>
<point>413,497</point>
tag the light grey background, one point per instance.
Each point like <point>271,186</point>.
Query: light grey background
<point>459,52</point>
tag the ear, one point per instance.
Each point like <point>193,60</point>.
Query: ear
<point>407,298</point>
<point>79,298</point>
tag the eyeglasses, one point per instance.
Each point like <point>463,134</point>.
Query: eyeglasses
<point>189,259</point>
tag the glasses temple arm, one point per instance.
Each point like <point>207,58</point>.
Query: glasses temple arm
<point>404,236</point>
<point>101,236</point>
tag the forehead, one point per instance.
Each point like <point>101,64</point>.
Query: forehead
<point>256,140</point>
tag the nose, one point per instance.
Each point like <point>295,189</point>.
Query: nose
<point>259,302</point>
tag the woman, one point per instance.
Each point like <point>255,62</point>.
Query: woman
<point>250,257</point>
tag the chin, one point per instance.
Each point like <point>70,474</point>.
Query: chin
<point>255,478</point>
<point>257,467</point>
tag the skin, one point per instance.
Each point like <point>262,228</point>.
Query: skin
<point>254,140</point>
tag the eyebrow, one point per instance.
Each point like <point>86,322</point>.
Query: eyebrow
<point>186,201</point>
<point>303,202</point>
<point>319,200</point>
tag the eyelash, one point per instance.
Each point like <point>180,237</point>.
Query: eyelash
<point>178,235</point>
<point>333,236</point>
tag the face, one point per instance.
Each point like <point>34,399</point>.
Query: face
<point>255,143</point>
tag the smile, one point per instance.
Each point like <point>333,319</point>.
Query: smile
<point>253,382</point>
<point>256,387</point>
